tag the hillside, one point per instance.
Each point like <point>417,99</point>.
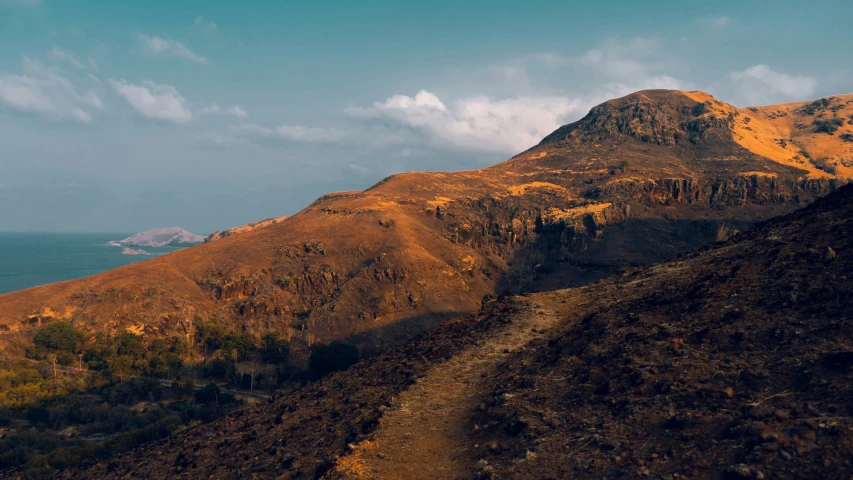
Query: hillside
<point>731,362</point>
<point>220,234</point>
<point>638,180</point>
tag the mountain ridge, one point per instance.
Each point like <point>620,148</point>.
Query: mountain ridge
<point>376,267</point>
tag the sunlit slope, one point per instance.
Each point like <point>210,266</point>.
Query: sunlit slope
<point>638,180</point>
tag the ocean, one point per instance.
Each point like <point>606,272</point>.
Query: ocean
<point>32,259</point>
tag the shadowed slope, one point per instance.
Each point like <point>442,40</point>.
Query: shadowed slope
<point>734,361</point>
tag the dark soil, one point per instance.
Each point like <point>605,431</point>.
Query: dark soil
<point>736,362</point>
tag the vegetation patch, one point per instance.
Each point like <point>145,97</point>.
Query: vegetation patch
<point>814,107</point>
<point>828,125</point>
<point>826,165</point>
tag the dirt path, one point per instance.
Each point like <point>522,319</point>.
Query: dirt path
<point>426,434</point>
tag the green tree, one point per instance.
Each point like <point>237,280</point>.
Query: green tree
<point>60,336</point>
<point>120,366</point>
<point>130,344</point>
<point>274,349</point>
<point>242,343</point>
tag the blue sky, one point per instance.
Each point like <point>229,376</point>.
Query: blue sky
<point>122,116</point>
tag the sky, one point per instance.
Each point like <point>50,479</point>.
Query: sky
<point>124,116</point>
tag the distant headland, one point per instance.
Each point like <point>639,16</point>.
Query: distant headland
<point>161,237</point>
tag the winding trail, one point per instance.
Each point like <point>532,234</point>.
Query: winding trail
<point>425,434</point>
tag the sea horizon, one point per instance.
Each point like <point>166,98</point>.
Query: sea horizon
<point>33,259</point>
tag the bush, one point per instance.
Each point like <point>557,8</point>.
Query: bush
<point>825,165</point>
<point>847,137</point>
<point>814,107</point>
<point>335,356</point>
<point>218,368</point>
<point>208,394</point>
<point>130,344</point>
<point>828,126</point>
<point>274,349</point>
<point>38,416</point>
<point>60,337</point>
<point>242,343</point>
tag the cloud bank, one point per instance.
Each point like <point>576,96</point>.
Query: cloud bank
<point>165,47</point>
<point>215,109</point>
<point>760,84</point>
<point>44,91</point>
<point>154,101</point>
<point>480,123</point>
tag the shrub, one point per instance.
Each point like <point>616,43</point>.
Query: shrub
<point>208,394</point>
<point>130,344</point>
<point>335,356</point>
<point>823,164</point>
<point>60,336</point>
<point>814,107</point>
<point>847,137</point>
<point>242,343</point>
<point>274,349</point>
<point>828,126</point>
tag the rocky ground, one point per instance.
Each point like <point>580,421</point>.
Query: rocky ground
<point>733,362</point>
<point>736,362</point>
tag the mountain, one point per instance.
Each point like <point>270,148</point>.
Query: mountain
<point>732,362</point>
<point>218,235</point>
<point>638,180</point>
<point>161,237</point>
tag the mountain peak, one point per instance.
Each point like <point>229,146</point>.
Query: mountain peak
<point>662,117</point>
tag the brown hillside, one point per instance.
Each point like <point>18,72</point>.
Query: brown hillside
<point>219,235</point>
<point>638,180</point>
<point>733,362</point>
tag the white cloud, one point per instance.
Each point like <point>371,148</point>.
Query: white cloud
<point>761,84</point>
<point>162,46</point>
<point>235,110</point>
<point>44,91</point>
<point>207,26</point>
<point>154,101</point>
<point>630,61</point>
<point>720,21</point>
<point>295,133</point>
<point>61,55</point>
<point>479,123</point>
<point>525,99</point>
